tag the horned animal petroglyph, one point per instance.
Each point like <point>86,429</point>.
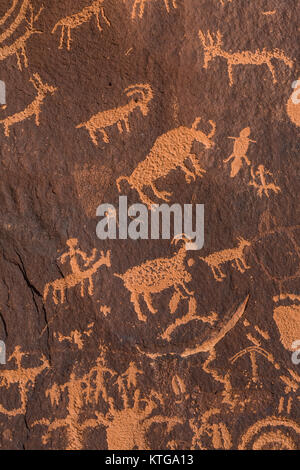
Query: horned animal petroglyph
<point>169,152</point>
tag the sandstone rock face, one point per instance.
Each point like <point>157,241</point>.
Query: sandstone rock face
<point>142,344</point>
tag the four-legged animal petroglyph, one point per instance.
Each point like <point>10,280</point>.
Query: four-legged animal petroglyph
<point>138,8</point>
<point>235,255</point>
<point>213,48</point>
<point>73,21</point>
<point>78,276</point>
<point>240,149</point>
<point>262,186</point>
<point>170,151</point>
<point>34,108</point>
<point>23,377</point>
<point>119,116</point>
<point>18,47</point>
<point>154,276</point>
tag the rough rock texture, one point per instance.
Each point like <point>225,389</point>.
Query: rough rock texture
<point>88,364</point>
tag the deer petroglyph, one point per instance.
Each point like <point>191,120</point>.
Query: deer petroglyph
<point>34,108</point>
<point>213,47</point>
<point>170,151</point>
<point>73,21</point>
<point>100,121</point>
<point>78,276</point>
<point>236,255</point>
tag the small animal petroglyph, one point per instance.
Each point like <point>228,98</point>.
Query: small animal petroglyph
<point>155,276</point>
<point>260,183</point>
<point>100,121</point>
<point>138,8</point>
<point>78,276</point>
<point>235,255</point>
<point>34,108</point>
<point>169,152</point>
<point>213,48</point>
<point>240,149</point>
<point>18,47</point>
<point>23,377</point>
<point>74,21</point>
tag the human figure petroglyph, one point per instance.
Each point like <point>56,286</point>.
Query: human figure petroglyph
<point>77,276</point>
<point>213,47</point>
<point>259,181</point>
<point>217,432</point>
<point>33,109</point>
<point>154,276</point>
<point>138,8</point>
<point>18,47</point>
<point>74,21</point>
<point>240,149</point>
<point>119,116</point>
<point>235,255</point>
<point>23,377</point>
<point>170,151</point>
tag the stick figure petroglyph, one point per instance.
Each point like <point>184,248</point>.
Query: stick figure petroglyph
<point>77,276</point>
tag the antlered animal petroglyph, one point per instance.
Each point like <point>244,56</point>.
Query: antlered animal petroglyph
<point>74,21</point>
<point>138,8</point>
<point>23,377</point>
<point>235,255</point>
<point>78,276</point>
<point>213,48</point>
<point>169,152</point>
<point>154,276</point>
<point>18,47</point>
<point>100,121</point>
<point>293,104</point>
<point>260,183</point>
<point>240,149</point>
<point>34,108</point>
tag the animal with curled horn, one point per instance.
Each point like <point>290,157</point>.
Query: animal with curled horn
<point>155,276</point>
<point>140,94</point>
<point>170,151</point>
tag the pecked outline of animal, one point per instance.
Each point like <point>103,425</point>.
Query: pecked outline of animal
<point>34,108</point>
<point>169,152</point>
<point>19,45</point>
<point>74,279</point>
<point>73,21</point>
<point>154,276</point>
<point>213,48</point>
<point>141,5</point>
<point>215,260</point>
<point>109,118</point>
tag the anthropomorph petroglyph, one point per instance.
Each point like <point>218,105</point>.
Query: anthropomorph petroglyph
<point>95,9</point>
<point>154,276</point>
<point>213,47</point>
<point>141,96</point>
<point>170,151</point>
<point>211,430</point>
<point>78,276</point>
<point>235,255</point>
<point>241,145</point>
<point>33,109</point>
<point>138,8</point>
<point>18,46</point>
<point>23,377</point>
<point>259,181</point>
